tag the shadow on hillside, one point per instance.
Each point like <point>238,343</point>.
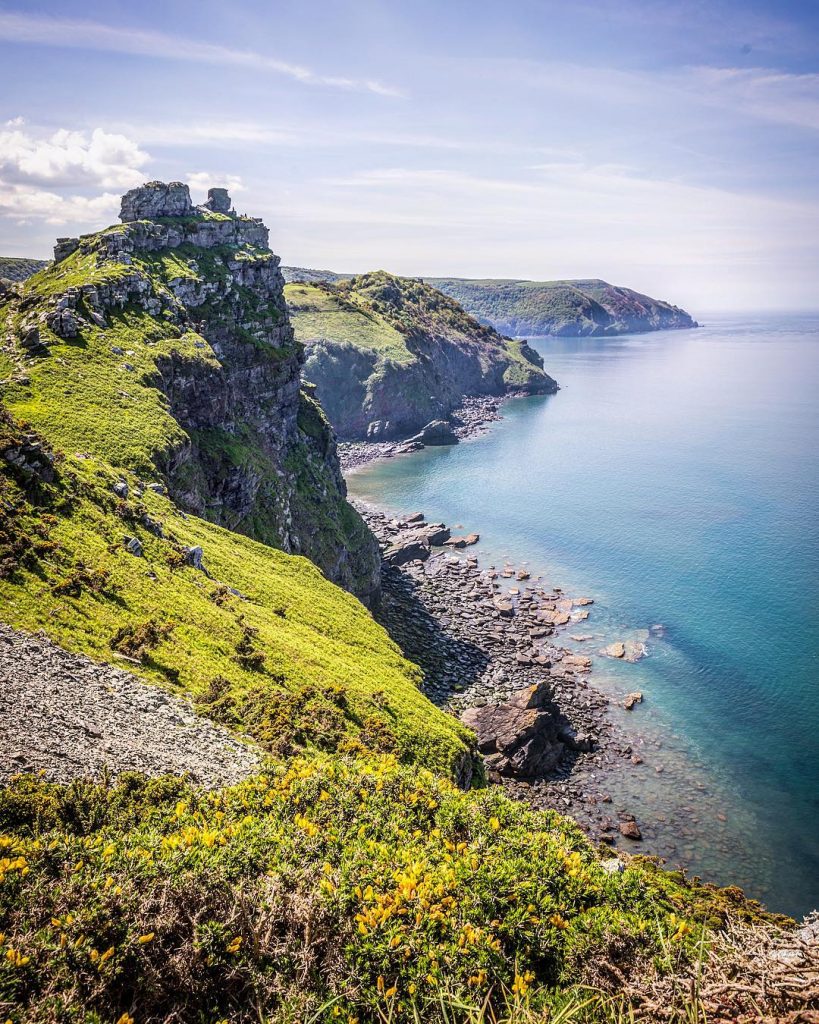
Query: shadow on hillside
<point>448,662</point>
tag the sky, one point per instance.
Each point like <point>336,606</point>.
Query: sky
<point>671,146</point>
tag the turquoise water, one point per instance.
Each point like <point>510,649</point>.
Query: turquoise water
<point>675,479</point>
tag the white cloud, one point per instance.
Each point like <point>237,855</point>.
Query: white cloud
<point>25,205</point>
<point>53,176</point>
<point>91,35</point>
<point>66,157</point>
<point>201,181</point>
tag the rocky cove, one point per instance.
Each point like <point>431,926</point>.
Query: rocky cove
<point>488,640</point>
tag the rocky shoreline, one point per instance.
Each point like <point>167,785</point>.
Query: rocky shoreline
<point>473,418</point>
<point>488,642</point>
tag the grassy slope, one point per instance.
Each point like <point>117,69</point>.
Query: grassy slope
<point>309,633</point>
<point>367,312</point>
<point>18,268</point>
<point>322,315</point>
<point>324,889</point>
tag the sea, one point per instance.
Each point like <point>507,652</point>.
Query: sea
<point>674,478</point>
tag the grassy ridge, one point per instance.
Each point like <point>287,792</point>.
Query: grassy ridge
<point>561,307</point>
<point>342,318</point>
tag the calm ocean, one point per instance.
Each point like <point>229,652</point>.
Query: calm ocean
<point>675,479</point>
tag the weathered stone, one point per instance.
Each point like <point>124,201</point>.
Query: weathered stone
<point>463,541</point>
<point>133,546</point>
<point>64,248</point>
<point>631,830</point>
<point>434,534</point>
<point>408,550</point>
<point>219,201</point>
<point>193,557</point>
<point>156,199</point>
<point>520,737</point>
<point>435,433</point>
<point>615,650</point>
<point>632,699</point>
<point>120,488</point>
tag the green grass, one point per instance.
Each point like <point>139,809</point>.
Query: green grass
<point>86,401</point>
<point>322,315</point>
<point>310,633</point>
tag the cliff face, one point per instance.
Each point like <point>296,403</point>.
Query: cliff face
<point>163,345</point>
<point>567,308</point>
<point>388,355</point>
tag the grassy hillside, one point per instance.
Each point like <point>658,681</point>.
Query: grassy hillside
<point>262,639</point>
<point>344,317</point>
<point>18,268</point>
<point>580,307</point>
<point>179,363</point>
<point>389,354</point>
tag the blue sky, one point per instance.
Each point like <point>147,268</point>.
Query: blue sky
<point>670,146</point>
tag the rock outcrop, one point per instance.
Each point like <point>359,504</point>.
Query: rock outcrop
<point>521,737</point>
<point>156,199</point>
<point>188,301</point>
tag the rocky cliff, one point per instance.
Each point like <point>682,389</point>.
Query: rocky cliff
<point>568,308</point>
<point>163,346</point>
<point>389,355</point>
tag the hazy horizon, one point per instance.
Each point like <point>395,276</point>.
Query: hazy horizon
<point>670,147</point>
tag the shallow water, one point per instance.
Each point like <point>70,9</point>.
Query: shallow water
<point>675,479</point>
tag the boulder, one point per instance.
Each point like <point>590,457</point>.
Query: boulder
<point>615,650</point>
<point>435,534</point>
<point>133,546</point>
<point>438,432</point>
<point>464,541</point>
<point>506,608</point>
<point>632,699</point>
<point>410,549</point>
<point>219,201</point>
<point>631,830</point>
<point>193,557</point>
<point>520,737</point>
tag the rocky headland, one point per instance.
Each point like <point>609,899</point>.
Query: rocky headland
<point>583,308</point>
<point>390,356</point>
<point>196,378</point>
